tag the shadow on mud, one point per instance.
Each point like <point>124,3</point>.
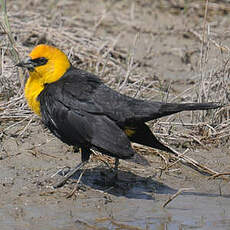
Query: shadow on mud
<point>126,184</point>
<point>130,185</point>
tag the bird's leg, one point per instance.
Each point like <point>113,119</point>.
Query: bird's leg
<point>62,171</point>
<point>116,168</point>
<point>69,174</point>
<point>85,154</point>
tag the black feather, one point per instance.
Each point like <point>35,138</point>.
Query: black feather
<point>82,111</point>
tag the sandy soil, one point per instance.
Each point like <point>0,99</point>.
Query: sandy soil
<point>160,39</point>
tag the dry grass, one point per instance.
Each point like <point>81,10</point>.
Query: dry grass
<point>115,64</point>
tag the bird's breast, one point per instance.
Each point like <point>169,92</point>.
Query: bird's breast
<point>32,89</point>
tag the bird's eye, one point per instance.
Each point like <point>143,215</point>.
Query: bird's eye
<point>39,61</point>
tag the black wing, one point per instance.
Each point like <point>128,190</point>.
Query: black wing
<point>78,122</point>
<point>85,91</point>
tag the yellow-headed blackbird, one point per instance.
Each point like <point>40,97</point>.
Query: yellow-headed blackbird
<point>82,111</point>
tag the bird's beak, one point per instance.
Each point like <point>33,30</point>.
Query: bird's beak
<point>29,64</point>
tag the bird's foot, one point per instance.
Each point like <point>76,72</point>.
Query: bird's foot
<point>68,175</point>
<point>62,171</point>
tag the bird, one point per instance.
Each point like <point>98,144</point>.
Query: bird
<point>82,111</point>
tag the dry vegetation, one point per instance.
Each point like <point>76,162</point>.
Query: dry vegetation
<point>49,22</point>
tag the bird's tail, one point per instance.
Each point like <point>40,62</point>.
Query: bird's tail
<point>171,108</point>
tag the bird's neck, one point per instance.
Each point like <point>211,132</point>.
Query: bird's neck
<point>33,88</point>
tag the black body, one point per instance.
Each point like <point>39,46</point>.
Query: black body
<point>82,111</point>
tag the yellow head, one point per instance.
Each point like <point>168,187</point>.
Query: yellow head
<point>46,65</point>
<point>46,62</point>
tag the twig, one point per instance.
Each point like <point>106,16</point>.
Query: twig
<point>170,165</point>
<point>76,186</point>
<point>221,47</point>
<point>188,161</point>
<point>35,152</point>
<point>86,225</point>
<point>131,65</point>
<point>27,125</point>
<point>220,174</point>
<point>203,36</point>
<point>6,28</point>
<point>175,195</point>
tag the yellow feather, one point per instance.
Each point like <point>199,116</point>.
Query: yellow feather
<point>32,89</point>
<point>53,70</point>
<point>129,131</point>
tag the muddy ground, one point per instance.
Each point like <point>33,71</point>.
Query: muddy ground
<point>158,44</point>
